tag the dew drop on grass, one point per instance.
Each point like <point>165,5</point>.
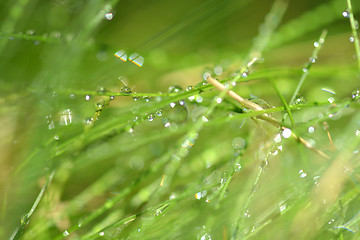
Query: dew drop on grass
<point>159,113</point>
<point>56,138</point>
<point>136,59</point>
<point>277,138</point>
<point>355,95</point>
<point>189,88</point>
<point>206,75</point>
<point>101,90</point>
<point>121,54</point>
<point>100,105</point>
<point>238,143</point>
<point>218,70</point>
<point>136,98</point>
<point>181,102</point>
<point>345,14</point>
<point>167,124</point>
<point>316,44</point>
<point>282,207</point>
<point>299,100</point>
<point>244,74</point>
<point>199,99</point>
<point>172,105</point>
<point>302,174</point>
<point>247,213</point>
<point>147,99</point>
<point>150,117</point>
<point>357,133</point>
<point>331,99</point>
<point>109,16</point>
<point>311,129</point>
<point>66,117</point>
<point>200,195</point>
<point>219,100</point>
<point>175,89</point>
<point>351,39</point>
<point>101,234</point>
<point>87,97</point>
<point>66,233</point>
<point>126,90</point>
<point>286,133</point>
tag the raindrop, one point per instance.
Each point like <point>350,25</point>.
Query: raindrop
<point>312,59</point>
<point>302,174</point>
<point>219,100</point>
<point>238,143</point>
<point>204,119</point>
<point>355,95</point>
<point>167,124</point>
<point>299,100</point>
<point>244,74</point>
<point>175,89</point>
<point>147,99</point>
<point>237,167</point>
<point>121,54</point>
<point>206,75</point>
<point>282,207</point>
<point>247,213</point>
<point>199,99</point>
<point>150,117</point>
<point>109,16</point>
<point>316,44</point>
<point>331,99</point>
<point>29,32</point>
<point>159,113</point>
<point>351,39</point>
<point>345,14</point>
<point>66,233</point>
<point>181,103</point>
<point>277,138</point>
<point>87,97</point>
<point>136,59</point>
<point>136,98</point>
<point>305,69</point>
<point>286,133</point>
<point>101,90</point>
<point>56,138</point>
<point>218,70</point>
<point>189,88</point>
<point>101,234</point>
<point>100,105</point>
<point>201,194</point>
<point>172,105</point>
<point>66,117</point>
<point>311,129</point>
<point>125,89</point>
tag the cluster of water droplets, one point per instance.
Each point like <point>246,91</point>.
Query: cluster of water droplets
<point>135,58</point>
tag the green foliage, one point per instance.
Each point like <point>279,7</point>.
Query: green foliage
<point>109,129</point>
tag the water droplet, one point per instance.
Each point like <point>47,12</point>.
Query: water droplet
<point>219,100</point>
<point>175,89</point>
<point>331,99</point>
<point>125,89</point>
<point>357,133</point>
<point>172,196</point>
<point>204,119</point>
<point>238,167</point>
<point>345,14</point>
<point>305,69</point>
<point>311,129</point>
<point>244,74</point>
<point>147,99</point>
<point>238,143</point>
<point>100,105</point>
<point>312,59</point>
<point>199,99</point>
<point>136,59</point>
<point>316,180</point>
<point>109,16</point>
<point>150,117</point>
<point>101,234</point>
<point>172,105</point>
<point>351,39</point>
<point>316,44</point>
<point>299,100</point>
<point>247,213</point>
<point>201,194</point>
<point>286,133</point>
<point>302,174</point>
<point>66,117</point>
<point>181,103</point>
<point>136,98</point>
<point>189,88</point>
<point>121,54</point>
<point>206,236</point>
<point>277,138</point>
<point>66,233</point>
<point>56,138</point>
<point>159,113</point>
<point>29,32</point>
<point>218,70</point>
<point>355,95</point>
<point>282,207</point>
<point>87,97</point>
<point>101,90</point>
<point>167,124</point>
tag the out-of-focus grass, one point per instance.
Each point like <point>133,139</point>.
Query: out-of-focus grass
<point>95,147</point>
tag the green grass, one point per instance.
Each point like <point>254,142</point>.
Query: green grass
<point>94,147</point>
